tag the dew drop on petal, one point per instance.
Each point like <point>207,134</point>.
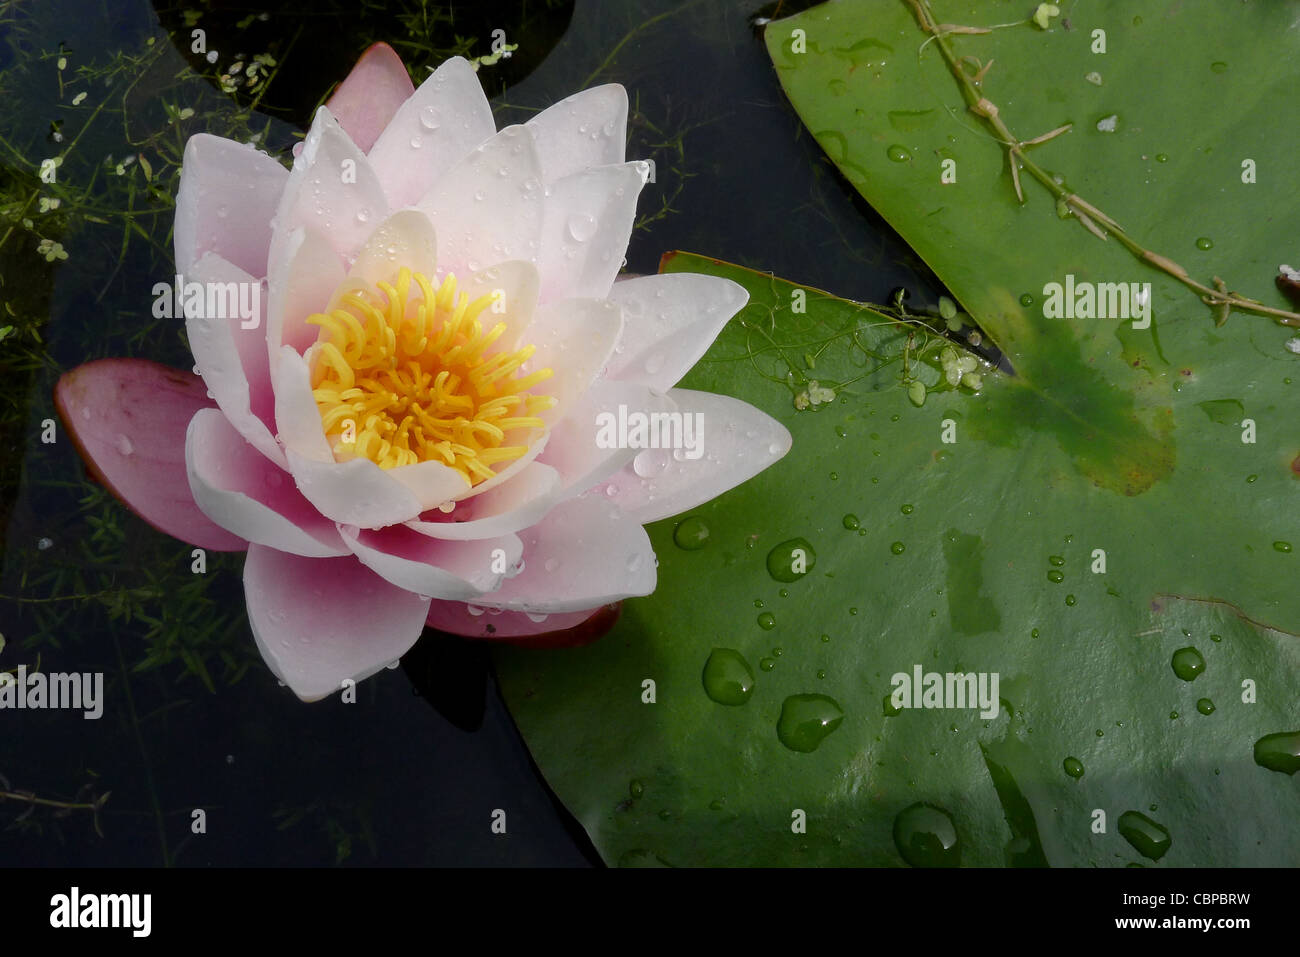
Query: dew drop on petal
<point>581,227</point>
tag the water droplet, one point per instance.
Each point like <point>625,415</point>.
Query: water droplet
<point>1187,663</point>
<point>806,720</point>
<point>1204,242</point>
<point>1205,706</point>
<point>416,142</point>
<point>1148,838</point>
<point>835,476</point>
<point>1252,479</point>
<point>758,603</point>
<point>123,444</point>
<point>1216,638</point>
<point>897,548</point>
<point>1056,560</point>
<point>766,664</point>
<point>1162,157</point>
<point>1108,124</point>
<point>581,227</point>
<point>1282,546</point>
<point>1033,633</point>
<point>651,462</point>
<point>636,789</point>
<point>430,119</point>
<point>1218,66</point>
<point>1279,752</point>
<point>841,431</point>
<point>926,837</point>
<point>691,534</point>
<point>634,562</point>
<point>551,564</point>
<point>1173,715</point>
<point>791,560</point>
<point>1026,300</point>
<point>1071,600</point>
<point>1056,575</point>
<point>851,522</point>
<point>899,154</point>
<point>43,544</point>
<point>1073,767</point>
<point>907,509</point>
<point>363,215</point>
<point>767,621</point>
<point>727,677</point>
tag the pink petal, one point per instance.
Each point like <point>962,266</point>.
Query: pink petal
<point>321,621</point>
<point>568,630</point>
<point>433,130</point>
<point>248,495</point>
<point>233,360</point>
<point>127,418</point>
<point>368,98</point>
<point>584,553</point>
<point>669,322</point>
<point>585,232</point>
<point>488,207</point>
<point>428,566</point>
<point>586,129</point>
<point>227,195</point>
<point>736,442</point>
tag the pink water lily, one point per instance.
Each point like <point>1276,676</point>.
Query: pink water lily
<point>406,432</point>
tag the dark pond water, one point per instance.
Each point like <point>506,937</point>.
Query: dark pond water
<point>192,718</point>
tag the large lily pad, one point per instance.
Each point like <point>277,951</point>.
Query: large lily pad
<point>981,555</point>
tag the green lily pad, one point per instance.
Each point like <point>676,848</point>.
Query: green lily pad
<point>1067,529</point>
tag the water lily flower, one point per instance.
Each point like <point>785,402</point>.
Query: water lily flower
<point>405,432</point>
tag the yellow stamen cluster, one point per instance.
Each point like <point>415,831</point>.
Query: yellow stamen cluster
<point>404,375</point>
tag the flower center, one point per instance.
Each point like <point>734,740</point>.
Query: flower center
<point>404,373</point>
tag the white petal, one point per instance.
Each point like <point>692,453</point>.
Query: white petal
<point>297,417</point>
<point>574,338</point>
<point>574,447</point>
<point>406,238</point>
<point>583,554</point>
<point>227,194</point>
<point>232,360</point>
<point>586,129</point>
<point>332,189</point>
<point>305,273</point>
<point>488,207</point>
<point>669,322</point>
<point>438,568</point>
<point>739,441</point>
<point>447,117</point>
<point>245,493</point>
<point>321,621</point>
<point>588,222</point>
<point>503,509</point>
